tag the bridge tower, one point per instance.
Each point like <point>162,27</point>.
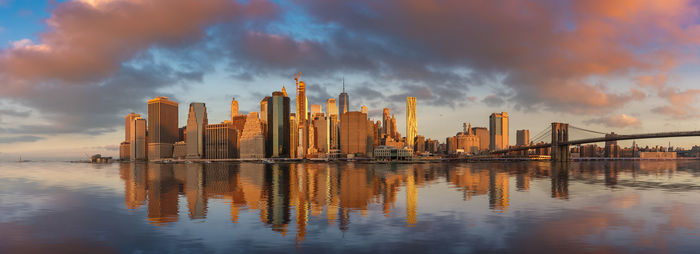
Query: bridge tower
<point>560,135</point>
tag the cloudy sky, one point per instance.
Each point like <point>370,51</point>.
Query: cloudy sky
<point>71,70</point>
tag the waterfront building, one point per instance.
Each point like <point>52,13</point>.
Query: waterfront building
<point>127,125</point>
<point>498,131</point>
<point>522,137</point>
<point>263,110</point>
<point>252,141</point>
<point>137,139</point>
<point>234,109</point>
<point>483,134</point>
<point>321,133</point>
<point>125,150</point>
<point>394,132</point>
<point>196,122</point>
<point>278,140</point>
<point>220,141</point>
<point>411,121</point>
<point>390,153</point>
<point>353,133</point>
<point>343,101</point>
<point>179,150</point>
<point>162,127</point>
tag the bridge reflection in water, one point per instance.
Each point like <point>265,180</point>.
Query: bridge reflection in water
<point>284,194</point>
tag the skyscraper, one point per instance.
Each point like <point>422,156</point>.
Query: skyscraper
<point>315,109</point>
<point>162,127</point>
<point>127,125</point>
<point>302,106</point>
<point>196,124</point>
<point>522,137</point>
<point>125,147</point>
<point>483,134</point>
<point>344,101</point>
<point>234,109</point>
<point>498,131</point>
<point>331,107</point>
<point>278,142</point>
<point>252,140</point>
<point>411,121</point>
<point>220,141</point>
<point>137,139</point>
<point>321,133</point>
<point>386,121</point>
<point>353,133</point>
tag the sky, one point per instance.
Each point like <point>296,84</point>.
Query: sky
<point>71,70</point>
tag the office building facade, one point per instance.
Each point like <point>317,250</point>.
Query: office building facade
<point>498,131</point>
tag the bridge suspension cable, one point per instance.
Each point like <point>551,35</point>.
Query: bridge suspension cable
<point>587,130</point>
<point>542,136</point>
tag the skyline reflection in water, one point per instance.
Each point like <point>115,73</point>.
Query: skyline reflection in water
<point>317,207</point>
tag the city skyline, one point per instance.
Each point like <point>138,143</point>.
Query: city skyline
<point>56,102</point>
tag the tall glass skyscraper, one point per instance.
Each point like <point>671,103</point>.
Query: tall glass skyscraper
<point>278,142</point>
<point>411,121</point>
<point>162,127</point>
<point>196,123</point>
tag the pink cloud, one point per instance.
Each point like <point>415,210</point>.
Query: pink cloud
<point>616,121</point>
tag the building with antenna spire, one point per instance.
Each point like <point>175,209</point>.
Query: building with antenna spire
<point>343,101</point>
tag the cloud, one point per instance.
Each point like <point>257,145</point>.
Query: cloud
<point>87,40</point>
<point>679,101</point>
<point>493,100</point>
<point>547,52</point>
<point>100,59</point>
<point>616,121</point>
<point>19,139</point>
<point>14,113</point>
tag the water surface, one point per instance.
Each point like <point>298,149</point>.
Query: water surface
<point>582,207</point>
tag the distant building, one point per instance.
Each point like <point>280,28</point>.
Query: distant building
<point>390,153</point>
<point>386,123</point>
<point>364,109</point>
<point>252,141</point>
<point>419,147</point>
<point>612,150</point>
<point>278,141</point>
<point>343,101</point>
<point>196,122</point>
<point>220,141</point>
<point>234,109</point>
<point>411,121</point>
<point>333,126</point>
<point>657,155</point>
<point>137,139</point>
<point>315,109</point>
<point>331,107</point>
<point>522,137</point>
<point>498,131</point>
<point>293,132</point>
<point>483,134</point>
<point>353,133</point>
<point>321,133</point>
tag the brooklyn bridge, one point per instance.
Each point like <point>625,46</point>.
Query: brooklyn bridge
<point>560,141</point>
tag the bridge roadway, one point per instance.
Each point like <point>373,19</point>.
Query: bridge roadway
<point>603,139</point>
